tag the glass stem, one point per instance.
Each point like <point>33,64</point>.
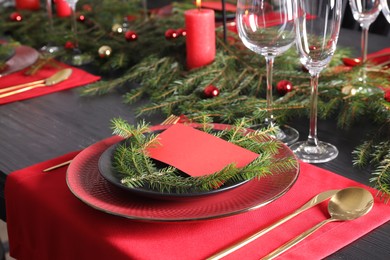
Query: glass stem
<point>312,139</point>
<point>364,41</point>
<point>269,65</point>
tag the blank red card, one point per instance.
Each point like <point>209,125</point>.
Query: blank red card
<point>198,153</point>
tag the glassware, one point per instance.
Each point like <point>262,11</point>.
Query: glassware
<point>386,9</point>
<point>49,47</point>
<point>318,26</point>
<point>365,12</point>
<point>267,27</point>
<point>77,58</point>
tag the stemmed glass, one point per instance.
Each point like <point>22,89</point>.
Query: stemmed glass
<point>386,9</point>
<point>49,47</point>
<point>365,12</point>
<point>77,58</point>
<point>318,26</point>
<point>267,27</point>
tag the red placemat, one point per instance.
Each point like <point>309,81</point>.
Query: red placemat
<point>78,78</point>
<point>45,221</point>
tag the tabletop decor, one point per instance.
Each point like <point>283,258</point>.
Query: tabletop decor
<point>263,161</point>
<point>234,74</point>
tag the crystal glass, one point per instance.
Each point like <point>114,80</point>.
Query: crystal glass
<point>49,47</point>
<point>365,12</point>
<point>318,26</point>
<point>386,9</point>
<point>77,58</point>
<point>266,27</point>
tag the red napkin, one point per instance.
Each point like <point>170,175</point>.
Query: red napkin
<point>78,78</point>
<point>45,221</point>
<point>376,58</point>
<point>217,5</point>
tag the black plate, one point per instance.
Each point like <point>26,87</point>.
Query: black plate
<point>111,175</point>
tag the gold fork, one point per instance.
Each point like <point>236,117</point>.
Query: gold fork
<point>171,120</point>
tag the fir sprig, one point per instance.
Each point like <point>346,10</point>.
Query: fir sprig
<point>139,170</point>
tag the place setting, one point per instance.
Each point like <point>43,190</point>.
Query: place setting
<point>249,211</point>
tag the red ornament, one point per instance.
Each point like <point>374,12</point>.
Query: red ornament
<point>181,32</point>
<point>16,17</point>
<point>211,91</point>
<point>284,86</point>
<point>387,95</point>
<point>171,34</point>
<point>131,36</point>
<point>81,18</point>
<point>69,45</point>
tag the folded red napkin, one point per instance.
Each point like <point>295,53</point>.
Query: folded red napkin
<point>45,221</point>
<point>78,78</point>
<point>217,5</point>
<point>378,57</point>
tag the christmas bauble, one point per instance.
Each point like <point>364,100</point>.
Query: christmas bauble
<point>69,45</point>
<point>387,95</point>
<point>181,32</point>
<point>81,18</point>
<point>104,51</point>
<point>211,91</point>
<point>171,34</point>
<point>117,28</point>
<point>16,17</point>
<point>131,36</point>
<point>284,86</point>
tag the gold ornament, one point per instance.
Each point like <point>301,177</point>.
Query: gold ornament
<point>104,51</point>
<point>117,28</point>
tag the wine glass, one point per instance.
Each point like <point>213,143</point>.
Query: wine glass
<point>77,58</point>
<point>49,47</point>
<point>318,27</point>
<point>267,27</point>
<point>386,9</point>
<point>365,12</point>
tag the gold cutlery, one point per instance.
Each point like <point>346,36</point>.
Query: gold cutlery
<point>172,119</point>
<point>314,201</point>
<point>57,166</point>
<point>347,204</point>
<point>52,80</point>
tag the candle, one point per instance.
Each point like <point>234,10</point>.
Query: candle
<point>62,8</point>
<point>27,4</point>
<point>200,41</point>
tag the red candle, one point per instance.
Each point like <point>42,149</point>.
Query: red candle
<point>27,4</point>
<point>200,38</point>
<point>62,8</point>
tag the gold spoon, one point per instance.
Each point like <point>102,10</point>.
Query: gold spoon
<point>54,79</point>
<point>347,204</point>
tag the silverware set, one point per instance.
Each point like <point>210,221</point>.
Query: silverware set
<point>50,81</point>
<point>346,204</point>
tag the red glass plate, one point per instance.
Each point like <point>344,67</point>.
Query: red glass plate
<point>86,183</point>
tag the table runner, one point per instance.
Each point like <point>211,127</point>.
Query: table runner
<point>45,221</point>
<point>78,78</point>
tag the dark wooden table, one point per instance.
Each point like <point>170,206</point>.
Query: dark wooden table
<point>39,129</point>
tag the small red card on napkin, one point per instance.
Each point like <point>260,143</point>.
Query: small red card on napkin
<point>198,153</point>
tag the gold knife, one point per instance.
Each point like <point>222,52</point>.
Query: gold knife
<point>314,201</point>
<point>52,80</point>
